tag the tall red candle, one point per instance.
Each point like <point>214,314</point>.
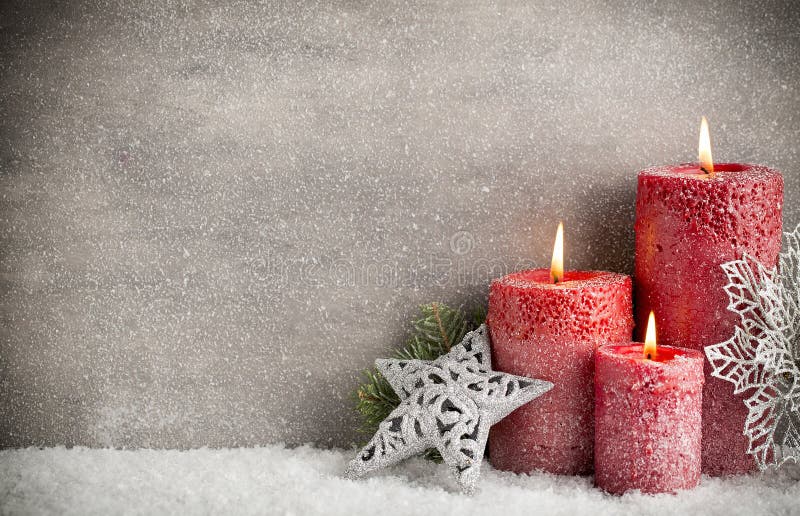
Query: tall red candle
<point>550,330</point>
<point>647,418</point>
<point>689,222</point>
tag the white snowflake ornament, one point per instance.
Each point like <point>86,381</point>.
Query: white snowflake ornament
<point>762,359</point>
<point>448,404</point>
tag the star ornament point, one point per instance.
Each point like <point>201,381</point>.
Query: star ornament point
<point>448,404</point>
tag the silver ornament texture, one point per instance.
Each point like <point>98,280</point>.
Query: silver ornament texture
<point>762,358</point>
<point>448,404</point>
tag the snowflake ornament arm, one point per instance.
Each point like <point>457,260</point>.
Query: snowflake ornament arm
<point>762,358</point>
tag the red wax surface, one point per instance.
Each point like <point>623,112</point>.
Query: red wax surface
<point>550,332</point>
<point>648,419</point>
<point>688,224</point>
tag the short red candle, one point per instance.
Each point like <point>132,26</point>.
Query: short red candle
<point>687,224</point>
<point>648,414</point>
<point>550,331</point>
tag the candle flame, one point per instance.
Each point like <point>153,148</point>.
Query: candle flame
<point>650,338</point>
<point>557,264</point>
<point>706,163</point>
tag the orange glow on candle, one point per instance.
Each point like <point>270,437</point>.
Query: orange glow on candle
<point>704,149</point>
<point>557,263</point>
<point>650,338</point>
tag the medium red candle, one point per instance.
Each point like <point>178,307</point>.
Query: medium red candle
<point>648,412</point>
<point>689,220</point>
<point>547,324</point>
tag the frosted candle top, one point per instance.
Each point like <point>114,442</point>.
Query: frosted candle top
<point>666,355</point>
<point>624,367</point>
<point>723,172</point>
<point>540,278</point>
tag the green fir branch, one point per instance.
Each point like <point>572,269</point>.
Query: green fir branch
<point>438,329</point>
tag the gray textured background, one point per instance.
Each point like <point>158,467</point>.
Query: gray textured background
<point>213,216</point>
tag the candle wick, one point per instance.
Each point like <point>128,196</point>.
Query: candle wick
<point>706,172</point>
<point>649,356</point>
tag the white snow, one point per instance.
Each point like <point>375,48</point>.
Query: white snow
<point>308,481</point>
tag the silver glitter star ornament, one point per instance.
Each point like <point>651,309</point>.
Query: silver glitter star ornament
<point>448,404</point>
<point>762,359</point>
